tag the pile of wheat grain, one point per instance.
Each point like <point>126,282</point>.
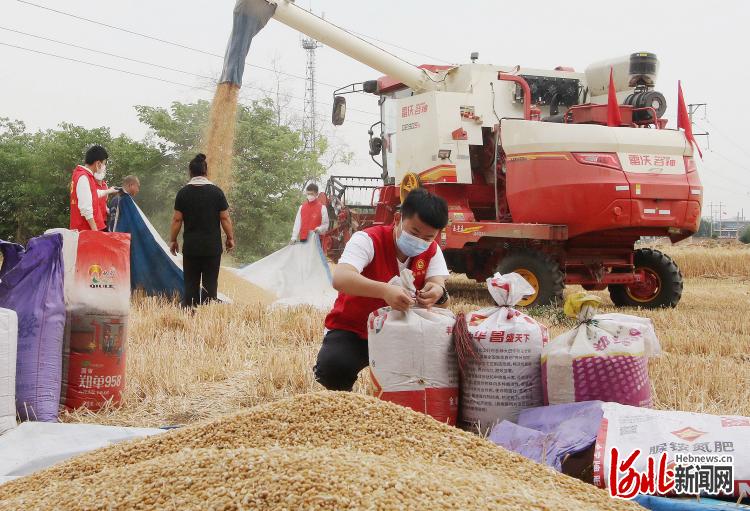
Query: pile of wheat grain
<point>315,451</point>
<point>242,291</point>
<point>219,143</point>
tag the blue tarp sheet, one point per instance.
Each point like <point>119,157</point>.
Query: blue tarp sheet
<point>680,504</point>
<point>152,268</point>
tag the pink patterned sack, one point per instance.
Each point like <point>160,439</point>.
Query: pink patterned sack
<point>604,358</point>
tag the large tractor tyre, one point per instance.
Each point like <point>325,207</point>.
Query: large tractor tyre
<point>540,270</point>
<point>661,288</point>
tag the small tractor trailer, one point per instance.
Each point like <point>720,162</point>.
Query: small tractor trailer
<point>535,180</point>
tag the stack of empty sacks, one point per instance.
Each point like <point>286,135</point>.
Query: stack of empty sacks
<point>8,343</point>
<point>326,450</point>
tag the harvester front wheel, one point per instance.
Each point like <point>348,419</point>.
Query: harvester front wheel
<point>540,270</point>
<point>662,286</point>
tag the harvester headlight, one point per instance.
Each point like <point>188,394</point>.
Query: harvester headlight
<point>602,159</point>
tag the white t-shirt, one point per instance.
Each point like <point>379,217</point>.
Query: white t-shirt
<point>360,251</point>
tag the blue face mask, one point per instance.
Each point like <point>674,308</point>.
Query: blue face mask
<point>410,245</point>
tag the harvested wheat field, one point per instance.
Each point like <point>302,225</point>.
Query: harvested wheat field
<point>183,368</point>
<point>324,450</point>
<point>239,377</point>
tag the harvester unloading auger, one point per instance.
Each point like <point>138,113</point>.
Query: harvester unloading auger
<point>536,181</point>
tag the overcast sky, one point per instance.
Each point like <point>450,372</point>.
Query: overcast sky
<point>704,44</point>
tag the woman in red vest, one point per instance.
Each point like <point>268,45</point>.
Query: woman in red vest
<point>311,216</point>
<point>370,260</point>
<point>86,211</point>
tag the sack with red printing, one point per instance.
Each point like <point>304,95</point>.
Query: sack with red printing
<point>715,449</point>
<point>605,358</point>
<point>504,377</point>
<point>412,358</point>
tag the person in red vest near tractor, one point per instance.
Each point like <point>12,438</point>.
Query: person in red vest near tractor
<point>371,258</point>
<point>86,211</point>
<point>311,216</point>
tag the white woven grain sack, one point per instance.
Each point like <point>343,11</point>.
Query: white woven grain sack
<point>8,346</point>
<point>412,359</point>
<point>505,378</point>
<point>605,358</point>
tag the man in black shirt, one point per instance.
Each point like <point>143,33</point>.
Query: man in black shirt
<point>202,207</point>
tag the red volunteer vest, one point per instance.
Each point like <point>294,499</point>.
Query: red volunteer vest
<point>77,222</point>
<point>310,218</point>
<point>351,312</point>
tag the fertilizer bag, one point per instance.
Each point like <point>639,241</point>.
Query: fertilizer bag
<point>97,317</point>
<point>33,288</point>
<point>664,432</point>
<point>505,376</point>
<point>604,358</point>
<point>412,359</point>
<point>8,341</point>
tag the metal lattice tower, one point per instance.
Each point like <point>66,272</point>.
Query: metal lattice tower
<point>309,122</point>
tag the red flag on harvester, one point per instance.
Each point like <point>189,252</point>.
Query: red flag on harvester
<point>613,107</point>
<point>683,119</point>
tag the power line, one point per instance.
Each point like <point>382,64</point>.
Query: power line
<point>159,66</point>
<point>133,73</point>
<point>160,40</point>
<point>104,67</point>
<point>108,54</point>
<point>400,47</point>
<point>211,54</point>
<point>726,137</point>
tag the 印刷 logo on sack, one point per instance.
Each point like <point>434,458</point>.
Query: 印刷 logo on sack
<point>101,278</point>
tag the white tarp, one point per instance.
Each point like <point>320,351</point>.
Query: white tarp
<point>33,446</point>
<point>8,346</point>
<point>297,274</point>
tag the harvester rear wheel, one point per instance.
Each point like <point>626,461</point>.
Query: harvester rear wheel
<point>540,270</point>
<point>661,288</point>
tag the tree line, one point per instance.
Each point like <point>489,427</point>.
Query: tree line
<point>270,169</point>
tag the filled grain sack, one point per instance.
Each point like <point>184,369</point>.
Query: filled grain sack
<point>505,376</point>
<point>8,341</point>
<point>32,286</point>
<point>604,358</point>
<point>412,359</point>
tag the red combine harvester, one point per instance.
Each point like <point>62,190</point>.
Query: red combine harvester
<point>535,180</point>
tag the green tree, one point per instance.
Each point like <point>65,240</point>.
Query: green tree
<point>35,171</point>
<point>704,231</point>
<point>745,235</point>
<point>270,168</point>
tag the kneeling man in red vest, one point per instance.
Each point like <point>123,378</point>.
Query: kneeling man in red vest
<point>372,258</point>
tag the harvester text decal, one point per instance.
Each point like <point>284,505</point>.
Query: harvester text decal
<point>410,110</point>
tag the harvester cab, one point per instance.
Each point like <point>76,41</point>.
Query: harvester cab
<point>537,179</point>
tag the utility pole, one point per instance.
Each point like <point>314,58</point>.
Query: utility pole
<point>693,108</point>
<point>720,207</point>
